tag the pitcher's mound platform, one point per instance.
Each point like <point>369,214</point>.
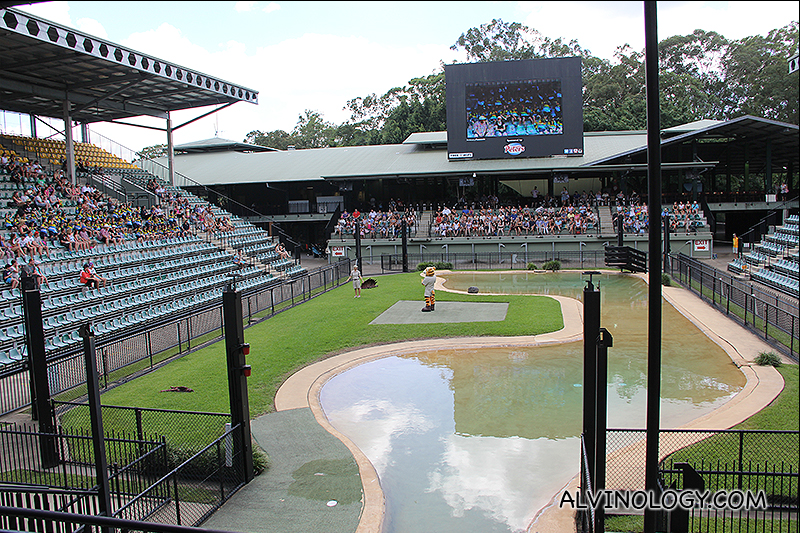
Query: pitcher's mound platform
<point>408,312</point>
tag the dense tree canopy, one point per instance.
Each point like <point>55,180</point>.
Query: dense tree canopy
<point>702,75</point>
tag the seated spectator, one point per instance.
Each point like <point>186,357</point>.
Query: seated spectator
<point>31,269</point>
<point>88,279</point>
<point>282,252</point>
<point>11,274</point>
<point>97,276</point>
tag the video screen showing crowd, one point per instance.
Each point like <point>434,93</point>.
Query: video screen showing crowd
<point>514,108</point>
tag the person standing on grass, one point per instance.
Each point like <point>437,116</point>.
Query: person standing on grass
<point>355,275</point>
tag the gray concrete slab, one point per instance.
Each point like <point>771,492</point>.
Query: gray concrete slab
<point>312,483</point>
<point>409,312</point>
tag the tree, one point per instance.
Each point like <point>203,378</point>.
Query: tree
<point>152,152</point>
<point>312,131</point>
<point>278,139</point>
<point>756,73</point>
<point>498,41</point>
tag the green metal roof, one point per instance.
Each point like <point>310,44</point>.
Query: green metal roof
<point>410,159</point>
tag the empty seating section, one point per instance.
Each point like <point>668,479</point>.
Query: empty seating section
<point>147,281</point>
<point>774,261</point>
<point>52,151</point>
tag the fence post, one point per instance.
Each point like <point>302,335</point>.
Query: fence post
<point>98,437</point>
<point>238,371</point>
<point>741,454</point>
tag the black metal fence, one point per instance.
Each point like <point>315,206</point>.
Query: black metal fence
<point>770,316</point>
<point>143,346</point>
<point>500,260</point>
<point>179,478</point>
<point>717,480</point>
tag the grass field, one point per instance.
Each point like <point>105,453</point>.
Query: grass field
<point>326,325</point>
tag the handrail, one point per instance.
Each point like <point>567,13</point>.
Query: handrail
<point>155,164</point>
<point>117,523</point>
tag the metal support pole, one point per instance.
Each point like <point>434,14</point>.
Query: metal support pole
<point>358,246</point>
<point>96,415</point>
<point>405,245</point>
<point>604,342</point>
<point>654,286</point>
<point>238,371</point>
<point>591,329</point>
<point>40,385</point>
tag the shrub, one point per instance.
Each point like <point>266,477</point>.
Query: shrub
<point>767,359</point>
<point>532,266</point>
<point>438,265</point>
<point>665,280</point>
<point>260,460</point>
<point>552,265</point>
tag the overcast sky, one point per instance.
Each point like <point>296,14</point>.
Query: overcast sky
<point>319,55</point>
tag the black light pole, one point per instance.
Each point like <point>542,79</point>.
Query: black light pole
<point>654,287</point>
<point>238,371</point>
<point>591,330</point>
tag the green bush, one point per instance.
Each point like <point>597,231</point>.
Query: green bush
<point>260,460</point>
<point>438,265</point>
<point>767,359</point>
<point>552,265</point>
<point>532,266</point>
<point>665,280</point>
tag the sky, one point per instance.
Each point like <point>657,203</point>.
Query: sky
<point>318,55</point>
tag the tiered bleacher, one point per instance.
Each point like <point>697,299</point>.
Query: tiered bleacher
<point>774,261</point>
<point>53,152</point>
<point>157,269</point>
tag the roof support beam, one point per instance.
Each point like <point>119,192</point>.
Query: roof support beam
<point>58,96</point>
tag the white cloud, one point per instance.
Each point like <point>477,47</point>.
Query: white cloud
<point>92,27</point>
<point>272,6</point>
<point>244,6</point>
<point>52,11</point>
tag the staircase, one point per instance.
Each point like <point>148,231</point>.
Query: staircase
<point>606,226</point>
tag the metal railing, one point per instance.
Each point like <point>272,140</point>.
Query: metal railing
<point>761,465</point>
<point>145,483</point>
<point>770,316</point>
<point>495,260</point>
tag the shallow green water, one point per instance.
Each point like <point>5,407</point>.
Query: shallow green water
<point>480,440</point>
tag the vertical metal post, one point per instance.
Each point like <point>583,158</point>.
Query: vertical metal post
<point>237,376</point>
<point>358,246</point>
<point>654,287</point>
<point>96,415</point>
<point>405,245</point>
<point>604,342</point>
<point>40,385</point>
<point>591,329</point>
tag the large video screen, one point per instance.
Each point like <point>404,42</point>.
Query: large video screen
<point>514,109</point>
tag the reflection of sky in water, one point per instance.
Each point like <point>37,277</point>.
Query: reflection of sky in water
<point>480,440</point>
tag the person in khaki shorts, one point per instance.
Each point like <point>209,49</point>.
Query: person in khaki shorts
<point>355,275</point>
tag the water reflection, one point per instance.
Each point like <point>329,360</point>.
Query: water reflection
<point>480,440</point>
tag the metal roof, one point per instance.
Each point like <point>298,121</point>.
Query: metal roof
<point>383,161</point>
<point>43,63</point>
<point>215,144</point>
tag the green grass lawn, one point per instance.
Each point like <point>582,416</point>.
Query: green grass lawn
<point>326,325</point>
